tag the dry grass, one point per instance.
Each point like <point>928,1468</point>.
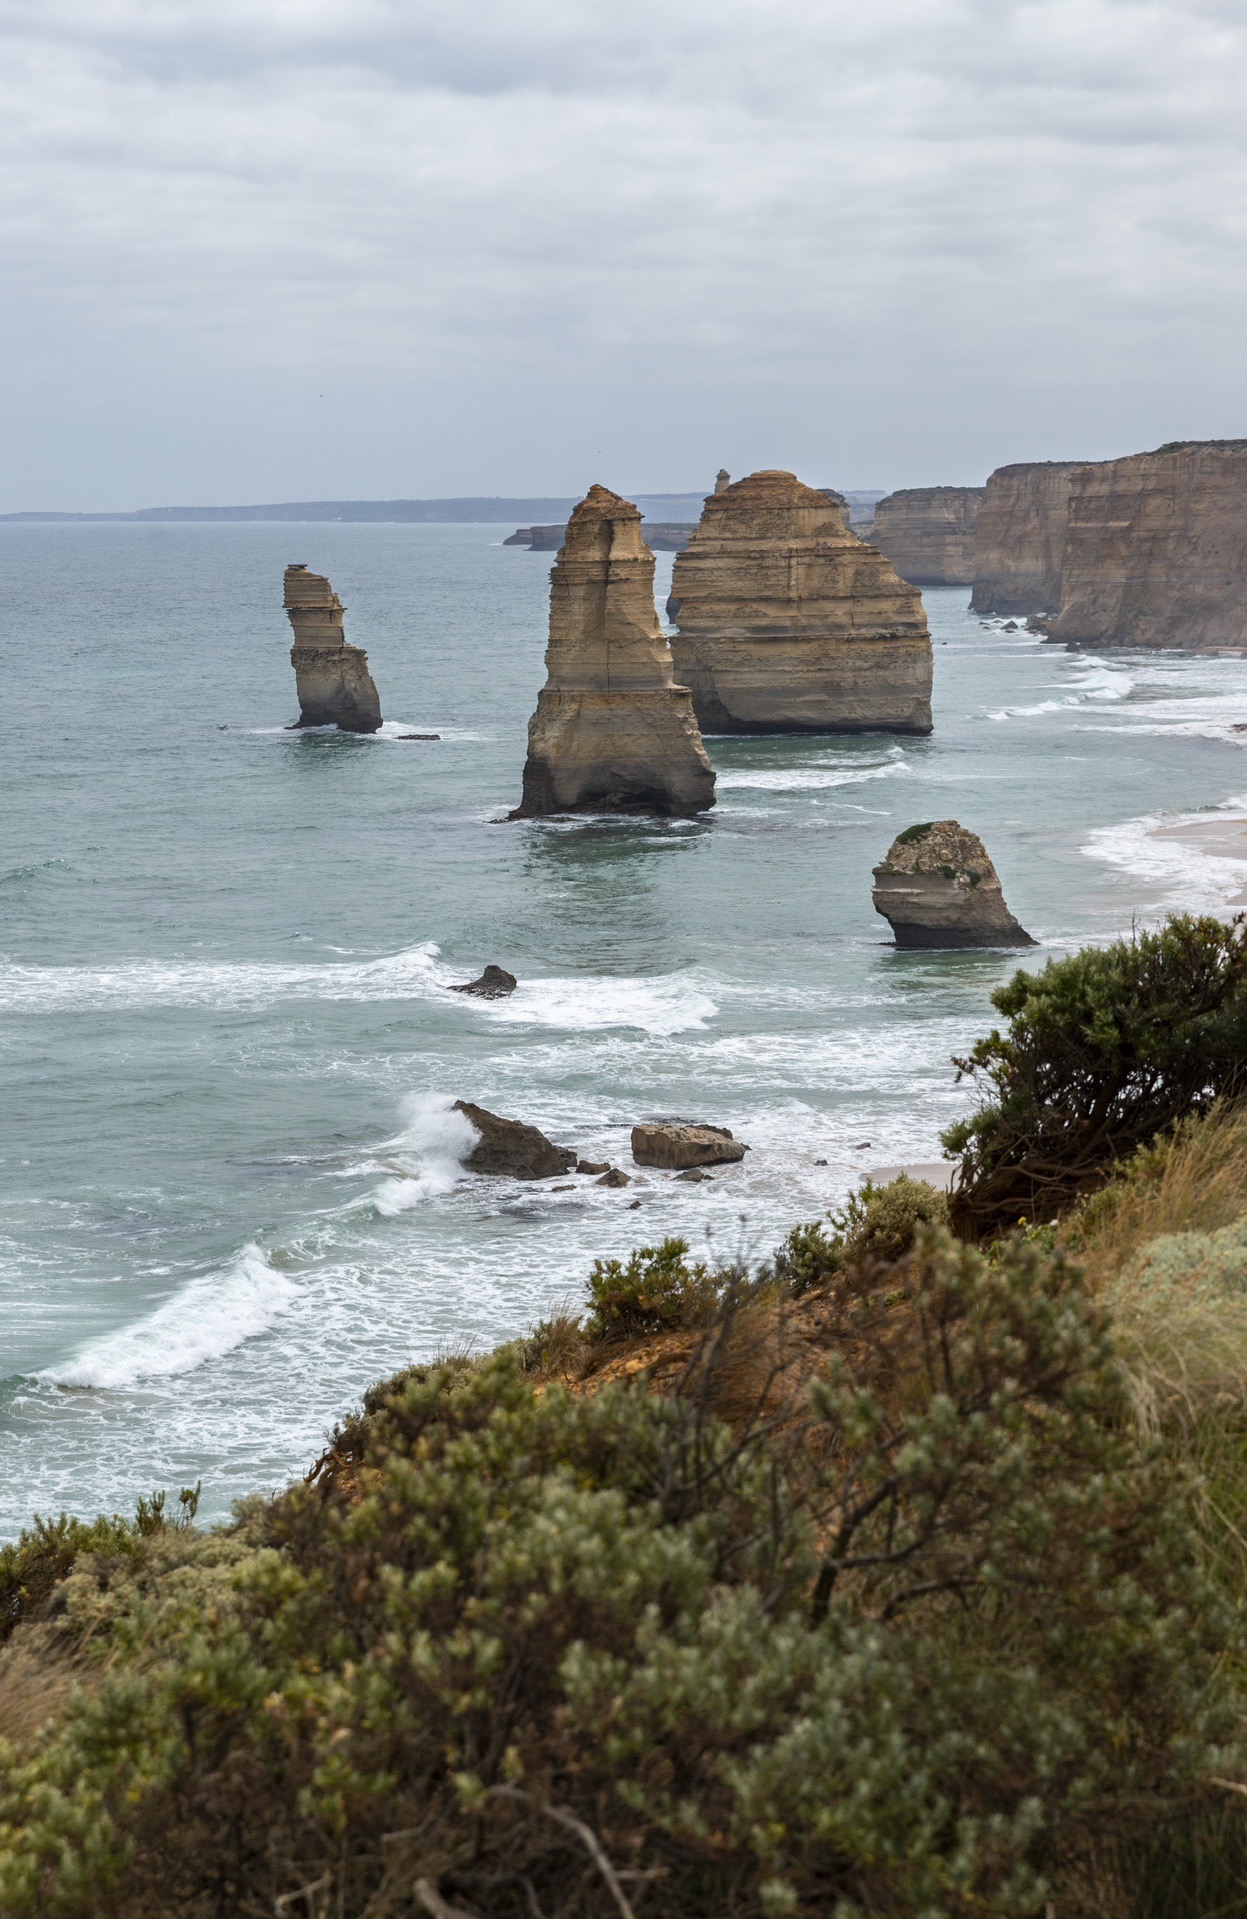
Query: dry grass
<point>1195,1182</point>
<point>1182,1337</point>
<point>32,1689</point>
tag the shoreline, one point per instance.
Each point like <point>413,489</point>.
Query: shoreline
<point>1221,838</point>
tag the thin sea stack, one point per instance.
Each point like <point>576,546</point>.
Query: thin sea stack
<point>334,685</point>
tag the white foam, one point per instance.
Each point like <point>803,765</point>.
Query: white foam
<point>1096,682</point>
<point>435,1140</point>
<point>1188,876</point>
<point>802,778</point>
<point>658,1006</point>
<point>411,974</point>
<point>207,1319</point>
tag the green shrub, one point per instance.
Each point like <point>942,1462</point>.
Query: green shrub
<point>876,1225</point>
<point>920,1658</point>
<point>47,1551</point>
<point>1103,1051</point>
<point>655,1290</point>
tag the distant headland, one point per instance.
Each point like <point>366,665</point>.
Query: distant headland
<point>483,510</point>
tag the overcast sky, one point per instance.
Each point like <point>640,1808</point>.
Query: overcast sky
<point>297,249</point>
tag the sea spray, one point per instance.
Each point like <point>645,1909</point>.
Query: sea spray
<point>435,1141</point>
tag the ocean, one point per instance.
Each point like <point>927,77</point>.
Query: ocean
<point>230,1189</point>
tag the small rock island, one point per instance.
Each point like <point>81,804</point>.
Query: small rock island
<point>937,888</point>
<point>334,685</point>
<point>612,733</point>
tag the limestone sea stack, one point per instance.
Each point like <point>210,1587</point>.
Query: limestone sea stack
<point>612,732</point>
<point>1156,549</point>
<point>1019,540</point>
<point>927,532</point>
<point>938,888</point>
<point>788,623</point>
<point>334,685</point>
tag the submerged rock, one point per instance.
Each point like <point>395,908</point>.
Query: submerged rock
<point>613,1177</point>
<point>928,533</point>
<point>494,983</point>
<point>508,1147</point>
<point>675,1145</point>
<point>937,888</point>
<point>612,731</point>
<point>334,685</point>
<point>788,623</point>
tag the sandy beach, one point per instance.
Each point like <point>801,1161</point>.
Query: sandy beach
<point>1224,839</point>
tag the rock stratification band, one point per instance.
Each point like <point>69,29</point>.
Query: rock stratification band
<point>1020,538</point>
<point>788,623</point>
<point>613,732</point>
<point>1156,549</point>
<point>928,533</point>
<point>334,685</point>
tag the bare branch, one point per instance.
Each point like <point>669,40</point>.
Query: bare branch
<point>585,1834</point>
<point>437,1907</point>
<point>285,1900</point>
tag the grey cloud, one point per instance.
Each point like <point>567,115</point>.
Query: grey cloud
<point>518,247</point>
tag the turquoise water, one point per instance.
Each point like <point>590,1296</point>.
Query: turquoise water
<point>229,1190</point>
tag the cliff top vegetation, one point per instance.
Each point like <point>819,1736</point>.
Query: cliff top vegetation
<point>901,1576</point>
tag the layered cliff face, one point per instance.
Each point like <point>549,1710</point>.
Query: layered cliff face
<point>334,685</point>
<point>1156,549</point>
<point>789,624</point>
<point>1020,538</point>
<point>927,532</point>
<point>612,731</point>
<point>938,888</point>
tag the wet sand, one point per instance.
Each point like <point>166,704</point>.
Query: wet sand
<point>1223,839</point>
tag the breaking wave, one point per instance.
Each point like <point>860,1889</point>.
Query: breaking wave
<point>239,983</point>
<point>205,1320</point>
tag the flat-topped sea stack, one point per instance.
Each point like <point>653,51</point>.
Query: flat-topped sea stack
<point>334,685</point>
<point>928,533</point>
<point>1019,540</point>
<point>788,623</point>
<point>938,889</point>
<point>613,732</point>
<point>1156,550</point>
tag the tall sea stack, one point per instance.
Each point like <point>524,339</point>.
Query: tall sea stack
<point>788,623</point>
<point>1019,541</point>
<point>334,685</point>
<point>612,731</point>
<point>1156,549</point>
<point>928,533</point>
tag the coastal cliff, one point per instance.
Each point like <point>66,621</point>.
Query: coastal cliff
<point>1020,538</point>
<point>612,732</point>
<point>334,685</point>
<point>928,533</point>
<point>1156,549</point>
<point>788,623</point>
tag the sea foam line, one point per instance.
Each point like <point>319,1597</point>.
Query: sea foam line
<point>1189,876</point>
<point>242,983</point>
